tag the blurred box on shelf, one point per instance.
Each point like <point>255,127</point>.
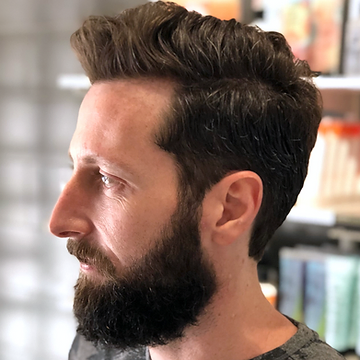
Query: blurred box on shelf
<point>352,39</point>
<point>223,9</point>
<point>352,48</point>
<point>291,282</point>
<point>334,169</point>
<point>313,28</point>
<point>321,288</point>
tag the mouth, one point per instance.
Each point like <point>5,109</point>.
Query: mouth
<point>91,271</point>
<point>86,266</point>
<point>92,261</point>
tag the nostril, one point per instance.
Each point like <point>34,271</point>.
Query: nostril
<point>66,233</point>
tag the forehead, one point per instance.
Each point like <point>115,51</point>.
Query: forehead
<point>118,120</point>
<point>129,104</point>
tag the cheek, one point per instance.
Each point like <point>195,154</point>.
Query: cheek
<point>127,228</point>
<point>114,231</point>
<point>127,233</point>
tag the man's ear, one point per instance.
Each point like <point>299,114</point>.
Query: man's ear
<point>238,198</point>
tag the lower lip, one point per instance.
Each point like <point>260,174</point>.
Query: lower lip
<point>86,267</point>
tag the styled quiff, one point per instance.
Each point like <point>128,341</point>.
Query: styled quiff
<point>242,101</point>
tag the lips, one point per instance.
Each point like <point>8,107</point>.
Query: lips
<point>90,257</point>
<point>86,262</point>
<point>85,266</point>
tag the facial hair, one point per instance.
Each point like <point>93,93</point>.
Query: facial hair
<point>156,298</point>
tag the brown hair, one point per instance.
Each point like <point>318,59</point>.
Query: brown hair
<point>242,101</point>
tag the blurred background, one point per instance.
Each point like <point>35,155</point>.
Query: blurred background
<point>41,88</point>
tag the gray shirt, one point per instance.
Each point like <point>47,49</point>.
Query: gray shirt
<point>304,345</point>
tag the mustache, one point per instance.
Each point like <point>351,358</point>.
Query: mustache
<point>91,255</point>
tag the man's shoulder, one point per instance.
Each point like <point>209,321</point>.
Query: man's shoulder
<point>312,350</point>
<point>304,345</point>
<point>84,350</point>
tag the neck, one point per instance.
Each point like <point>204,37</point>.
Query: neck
<point>231,326</point>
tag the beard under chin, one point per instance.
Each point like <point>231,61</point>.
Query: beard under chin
<point>153,301</point>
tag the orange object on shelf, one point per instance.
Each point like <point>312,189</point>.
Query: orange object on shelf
<point>334,169</point>
<point>340,127</point>
<point>270,292</point>
<point>223,9</point>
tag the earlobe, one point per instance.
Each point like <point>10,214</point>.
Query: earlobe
<point>241,195</point>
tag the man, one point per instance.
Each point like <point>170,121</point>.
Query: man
<point>191,147</point>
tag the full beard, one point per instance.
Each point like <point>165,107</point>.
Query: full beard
<point>153,301</point>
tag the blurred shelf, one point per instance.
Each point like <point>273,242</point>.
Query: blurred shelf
<point>308,215</point>
<point>351,357</point>
<point>338,83</point>
<point>31,30</point>
<point>73,82</point>
<point>347,214</point>
<point>81,82</point>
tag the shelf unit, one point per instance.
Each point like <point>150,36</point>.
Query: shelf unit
<point>341,95</point>
<point>338,83</point>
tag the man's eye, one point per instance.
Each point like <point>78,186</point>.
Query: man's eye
<point>107,181</point>
<point>110,182</point>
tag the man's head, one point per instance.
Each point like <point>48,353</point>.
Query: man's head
<point>181,105</point>
<point>242,102</point>
<point>144,273</point>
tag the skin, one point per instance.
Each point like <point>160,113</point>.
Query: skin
<point>140,194</point>
<point>114,137</point>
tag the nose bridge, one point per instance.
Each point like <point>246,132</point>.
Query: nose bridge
<point>70,214</point>
<point>68,196</point>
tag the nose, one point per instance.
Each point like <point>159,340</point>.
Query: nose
<point>70,216</point>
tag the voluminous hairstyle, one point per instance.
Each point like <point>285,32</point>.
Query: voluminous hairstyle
<point>242,101</point>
